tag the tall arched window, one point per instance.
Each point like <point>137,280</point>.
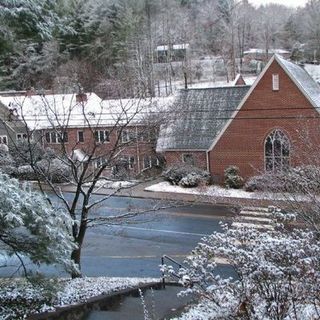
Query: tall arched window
<point>277,151</point>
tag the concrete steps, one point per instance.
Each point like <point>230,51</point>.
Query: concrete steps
<point>259,218</point>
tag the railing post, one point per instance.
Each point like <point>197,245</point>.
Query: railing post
<point>163,273</point>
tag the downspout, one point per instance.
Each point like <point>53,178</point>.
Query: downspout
<point>208,160</point>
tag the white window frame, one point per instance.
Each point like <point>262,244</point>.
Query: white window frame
<point>22,136</point>
<point>144,162</point>
<point>2,138</point>
<point>277,162</point>
<point>78,140</point>
<point>275,82</point>
<point>105,136</point>
<point>127,135</point>
<point>99,162</point>
<point>131,163</point>
<point>56,139</point>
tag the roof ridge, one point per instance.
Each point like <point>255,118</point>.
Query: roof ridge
<point>220,87</point>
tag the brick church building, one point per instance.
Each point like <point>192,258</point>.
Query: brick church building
<point>266,127</point>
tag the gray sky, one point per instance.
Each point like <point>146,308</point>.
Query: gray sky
<point>291,3</point>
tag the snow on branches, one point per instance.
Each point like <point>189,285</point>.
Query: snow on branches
<point>278,274</point>
<point>30,227</point>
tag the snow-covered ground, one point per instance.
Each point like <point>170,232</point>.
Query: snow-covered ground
<point>217,191</point>
<point>109,184</point>
<point>69,292</point>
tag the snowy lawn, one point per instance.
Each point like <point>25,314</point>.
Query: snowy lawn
<point>18,297</point>
<point>217,191</point>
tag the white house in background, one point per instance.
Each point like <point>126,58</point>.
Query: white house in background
<point>261,54</point>
<point>174,52</point>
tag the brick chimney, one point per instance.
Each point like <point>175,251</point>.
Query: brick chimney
<point>81,97</point>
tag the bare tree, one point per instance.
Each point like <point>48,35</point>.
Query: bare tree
<point>109,129</point>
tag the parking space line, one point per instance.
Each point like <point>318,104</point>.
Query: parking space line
<point>164,231</point>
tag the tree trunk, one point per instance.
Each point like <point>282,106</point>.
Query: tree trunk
<point>76,257</point>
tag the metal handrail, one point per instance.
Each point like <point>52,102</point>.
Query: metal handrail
<point>180,265</point>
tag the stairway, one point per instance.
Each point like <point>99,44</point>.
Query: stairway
<point>160,304</point>
<point>254,217</point>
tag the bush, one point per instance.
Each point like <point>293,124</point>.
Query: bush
<point>301,179</point>
<point>6,159</point>
<point>264,182</point>
<point>9,170</point>
<point>186,176</point>
<point>21,152</point>
<point>232,178</point>
<point>55,169</point>
<point>25,173</point>
<point>191,180</point>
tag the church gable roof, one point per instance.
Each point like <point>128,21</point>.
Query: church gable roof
<point>197,116</point>
<point>302,79</point>
<point>305,83</point>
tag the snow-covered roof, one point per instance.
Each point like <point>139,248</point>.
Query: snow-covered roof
<point>303,79</point>
<point>177,46</point>
<point>262,51</point>
<point>47,111</point>
<point>313,70</point>
<point>197,116</point>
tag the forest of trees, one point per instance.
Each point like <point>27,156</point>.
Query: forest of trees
<point>108,46</point>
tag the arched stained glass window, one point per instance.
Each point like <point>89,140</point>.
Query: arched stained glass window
<point>277,151</point>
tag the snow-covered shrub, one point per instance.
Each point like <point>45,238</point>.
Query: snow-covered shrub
<point>56,170</point>
<point>25,172</point>
<point>5,159</point>
<point>9,170</point>
<point>23,151</point>
<point>30,226</point>
<point>264,182</point>
<point>191,180</point>
<point>278,274</point>
<point>303,179</point>
<point>186,175</point>
<point>232,178</point>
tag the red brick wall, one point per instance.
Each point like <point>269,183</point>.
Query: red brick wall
<point>242,144</point>
<point>138,150</point>
<point>174,157</point>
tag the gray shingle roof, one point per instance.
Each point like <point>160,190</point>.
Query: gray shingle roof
<point>303,79</point>
<point>197,116</point>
